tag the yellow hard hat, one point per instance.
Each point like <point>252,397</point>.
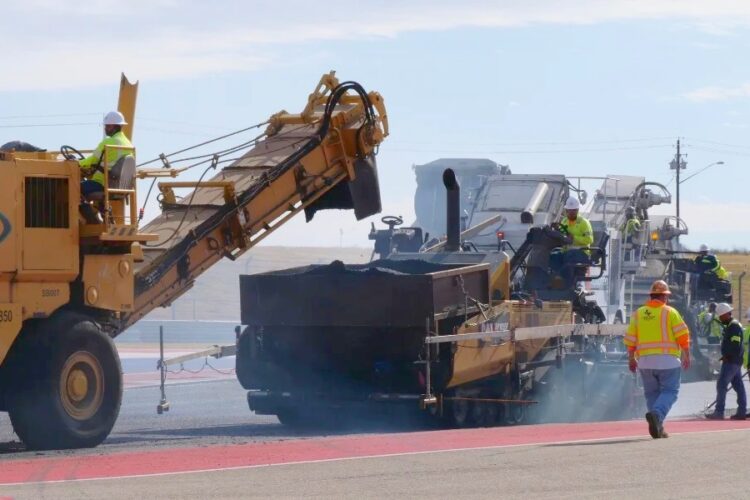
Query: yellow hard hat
<point>660,287</point>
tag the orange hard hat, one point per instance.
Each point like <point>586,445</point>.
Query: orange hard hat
<point>660,287</point>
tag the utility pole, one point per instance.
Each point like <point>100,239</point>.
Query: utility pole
<point>678,164</point>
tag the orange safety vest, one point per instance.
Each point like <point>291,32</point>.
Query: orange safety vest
<point>656,328</point>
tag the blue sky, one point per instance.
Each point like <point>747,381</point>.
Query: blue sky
<point>576,87</point>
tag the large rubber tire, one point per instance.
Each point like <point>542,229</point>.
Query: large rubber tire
<point>293,418</point>
<point>69,386</point>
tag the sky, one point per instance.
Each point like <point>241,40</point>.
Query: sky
<point>579,87</point>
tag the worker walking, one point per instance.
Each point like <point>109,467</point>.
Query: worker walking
<point>731,364</point>
<point>658,343</point>
<point>90,166</point>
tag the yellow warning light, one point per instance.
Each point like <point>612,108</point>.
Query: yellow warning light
<point>655,236</point>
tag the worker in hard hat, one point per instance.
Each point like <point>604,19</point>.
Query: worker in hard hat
<point>731,365</point>
<point>632,223</point>
<point>709,324</point>
<point>579,236</point>
<point>576,226</point>
<point>92,165</point>
<point>707,263</point>
<point>630,228</point>
<point>658,343</point>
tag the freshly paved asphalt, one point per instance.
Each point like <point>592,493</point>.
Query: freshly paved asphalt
<point>214,415</point>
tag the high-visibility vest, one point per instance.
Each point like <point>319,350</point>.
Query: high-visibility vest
<point>712,265</point>
<point>580,230</point>
<point>95,158</point>
<point>746,341</point>
<point>655,328</point>
<point>631,226</point>
<point>713,325</point>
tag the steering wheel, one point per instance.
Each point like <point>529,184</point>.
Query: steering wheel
<point>392,220</point>
<point>69,153</point>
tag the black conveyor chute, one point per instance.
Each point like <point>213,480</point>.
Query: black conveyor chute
<point>453,211</point>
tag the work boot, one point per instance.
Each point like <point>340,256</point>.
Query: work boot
<point>663,433</point>
<point>89,213</point>
<point>655,428</point>
<point>738,416</point>
<point>715,416</point>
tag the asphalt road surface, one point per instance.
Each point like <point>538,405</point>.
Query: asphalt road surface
<point>209,423</point>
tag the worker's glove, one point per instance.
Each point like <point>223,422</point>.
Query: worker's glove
<point>632,364</point>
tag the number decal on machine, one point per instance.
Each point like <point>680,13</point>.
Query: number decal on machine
<point>50,292</point>
<point>4,227</point>
<point>6,316</point>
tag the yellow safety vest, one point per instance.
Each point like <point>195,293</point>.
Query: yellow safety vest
<point>746,341</point>
<point>655,328</point>
<point>580,230</point>
<point>714,327</point>
<point>632,226</point>
<point>95,158</point>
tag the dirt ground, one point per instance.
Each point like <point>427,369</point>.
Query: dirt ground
<point>736,264</point>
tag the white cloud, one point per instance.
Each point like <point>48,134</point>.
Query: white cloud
<point>701,216</point>
<point>717,93</point>
<point>79,43</point>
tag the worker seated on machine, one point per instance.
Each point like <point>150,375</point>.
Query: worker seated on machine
<point>712,273</point>
<point>91,166</point>
<point>573,260</point>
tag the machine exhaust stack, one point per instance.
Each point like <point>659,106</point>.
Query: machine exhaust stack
<point>453,211</point>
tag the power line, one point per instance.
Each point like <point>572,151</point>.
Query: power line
<point>184,124</point>
<point>718,150</point>
<point>735,146</point>
<point>542,143</point>
<point>36,125</point>
<point>529,151</point>
<point>56,115</point>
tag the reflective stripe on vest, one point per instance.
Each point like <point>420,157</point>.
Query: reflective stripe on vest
<point>656,341</point>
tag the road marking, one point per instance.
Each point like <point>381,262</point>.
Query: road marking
<point>170,461</point>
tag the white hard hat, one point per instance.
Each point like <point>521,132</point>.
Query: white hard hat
<point>704,248</point>
<point>723,308</point>
<point>114,118</point>
<point>572,203</point>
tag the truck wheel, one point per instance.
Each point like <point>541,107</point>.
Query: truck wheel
<point>70,385</point>
<point>292,418</point>
<point>461,412</point>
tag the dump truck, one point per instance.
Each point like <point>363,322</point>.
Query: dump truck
<point>434,331</point>
<point>70,283</point>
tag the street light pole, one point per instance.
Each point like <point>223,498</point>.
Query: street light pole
<point>701,170</point>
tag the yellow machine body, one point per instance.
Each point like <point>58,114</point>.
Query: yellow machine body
<point>477,359</point>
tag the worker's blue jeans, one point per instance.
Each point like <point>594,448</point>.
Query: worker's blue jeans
<point>731,373</point>
<point>88,187</point>
<point>660,388</point>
